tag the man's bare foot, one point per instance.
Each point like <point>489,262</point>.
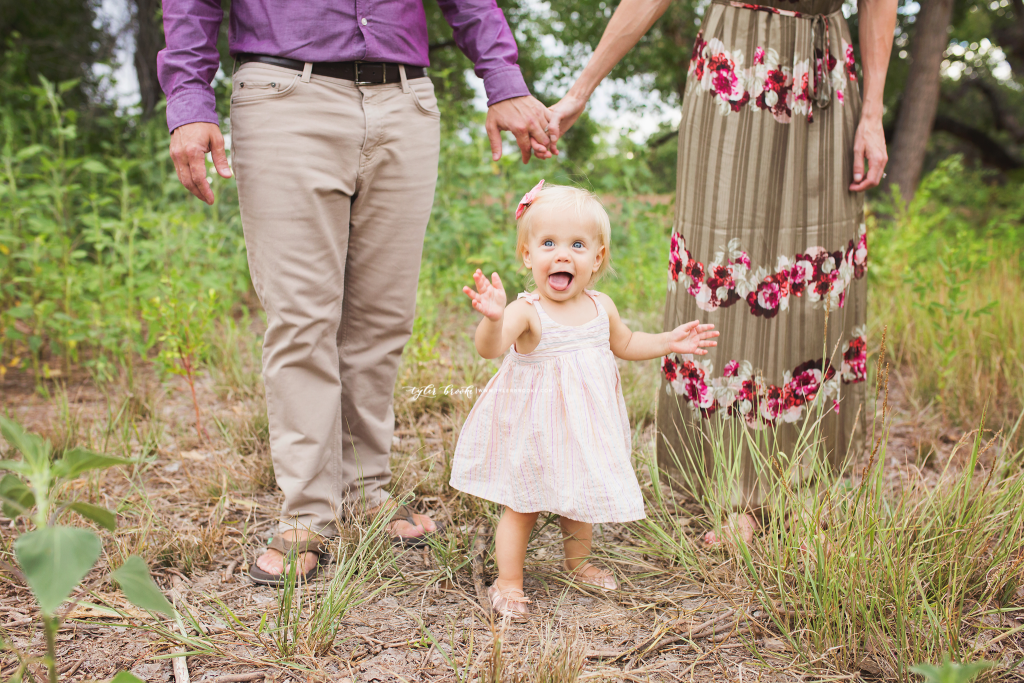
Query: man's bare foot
<point>736,527</point>
<point>272,561</point>
<point>401,527</point>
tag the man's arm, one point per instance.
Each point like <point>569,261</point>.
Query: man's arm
<point>482,33</point>
<point>186,68</point>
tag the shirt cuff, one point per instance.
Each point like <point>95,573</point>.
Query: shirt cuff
<point>504,84</point>
<point>191,105</point>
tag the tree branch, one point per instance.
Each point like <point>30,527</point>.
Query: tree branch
<point>440,45</point>
<point>992,153</point>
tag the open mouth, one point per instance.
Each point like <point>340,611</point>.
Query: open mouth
<point>560,281</point>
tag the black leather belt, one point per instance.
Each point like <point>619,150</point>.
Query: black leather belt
<point>363,73</point>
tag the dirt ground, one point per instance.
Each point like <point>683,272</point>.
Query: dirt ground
<point>200,510</point>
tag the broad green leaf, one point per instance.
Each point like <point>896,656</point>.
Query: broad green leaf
<point>126,677</point>
<point>138,586</point>
<point>32,447</point>
<point>54,559</point>
<point>94,166</point>
<point>19,466</point>
<point>951,672</point>
<point>78,460</point>
<point>102,516</point>
<point>17,498</point>
<point>28,152</point>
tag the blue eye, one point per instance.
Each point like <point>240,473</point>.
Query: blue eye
<point>549,243</point>
<point>577,245</point>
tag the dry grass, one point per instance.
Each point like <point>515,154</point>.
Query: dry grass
<point>200,511</point>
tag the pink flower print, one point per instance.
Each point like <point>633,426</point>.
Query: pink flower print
<point>855,356</point>
<point>807,379</point>
<point>731,368</point>
<point>771,295</point>
<point>840,97</point>
<point>851,64</point>
<point>835,405</point>
<point>771,405</point>
<point>669,369</point>
<point>860,256</point>
<point>675,263</point>
<point>724,81</point>
<point>800,274</point>
<point>695,389</point>
<point>696,57</point>
<point>759,55</point>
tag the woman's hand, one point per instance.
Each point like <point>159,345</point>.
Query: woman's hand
<point>489,297</point>
<point>564,114</point>
<point>692,337</point>
<point>869,144</point>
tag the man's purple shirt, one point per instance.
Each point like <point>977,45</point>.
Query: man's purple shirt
<point>325,31</point>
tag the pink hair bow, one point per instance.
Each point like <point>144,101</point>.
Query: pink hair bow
<point>528,198</point>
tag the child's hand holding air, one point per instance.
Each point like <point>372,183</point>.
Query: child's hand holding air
<point>692,337</point>
<point>489,297</point>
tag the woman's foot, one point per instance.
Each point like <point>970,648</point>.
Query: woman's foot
<point>509,603</point>
<point>737,527</point>
<point>400,527</point>
<point>591,575</point>
<point>272,561</point>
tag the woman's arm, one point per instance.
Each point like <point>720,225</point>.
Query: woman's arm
<point>631,20</point>
<point>877,21</point>
<point>691,337</point>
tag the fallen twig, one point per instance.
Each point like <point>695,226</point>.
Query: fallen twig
<point>240,678</point>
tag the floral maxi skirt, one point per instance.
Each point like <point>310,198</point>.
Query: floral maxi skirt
<point>769,245</point>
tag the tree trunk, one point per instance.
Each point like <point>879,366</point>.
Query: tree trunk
<point>920,96</point>
<point>149,39</point>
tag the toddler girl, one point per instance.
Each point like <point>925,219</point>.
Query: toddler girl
<point>549,432</point>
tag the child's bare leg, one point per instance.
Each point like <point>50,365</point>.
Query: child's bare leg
<point>510,541</point>
<point>577,539</point>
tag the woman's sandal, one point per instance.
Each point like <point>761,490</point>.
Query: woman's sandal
<point>602,579</point>
<point>511,604</point>
<point>404,513</point>
<point>292,551</point>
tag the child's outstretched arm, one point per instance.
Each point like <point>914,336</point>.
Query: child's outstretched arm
<point>691,337</point>
<point>501,326</point>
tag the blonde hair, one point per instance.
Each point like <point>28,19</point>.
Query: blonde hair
<point>578,203</point>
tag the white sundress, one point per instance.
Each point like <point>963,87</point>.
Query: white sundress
<point>549,432</point>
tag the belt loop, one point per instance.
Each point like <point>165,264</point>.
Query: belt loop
<point>307,69</point>
<point>405,81</point>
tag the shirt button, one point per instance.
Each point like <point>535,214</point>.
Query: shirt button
<point>364,21</point>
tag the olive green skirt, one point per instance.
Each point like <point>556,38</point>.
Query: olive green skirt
<point>769,245</point>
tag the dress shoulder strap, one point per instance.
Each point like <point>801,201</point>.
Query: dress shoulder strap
<point>595,295</point>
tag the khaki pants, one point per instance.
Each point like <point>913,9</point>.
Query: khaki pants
<point>335,184</point>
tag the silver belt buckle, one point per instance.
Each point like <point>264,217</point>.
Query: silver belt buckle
<point>384,74</point>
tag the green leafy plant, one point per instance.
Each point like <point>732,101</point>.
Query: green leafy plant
<point>951,672</point>
<point>53,557</point>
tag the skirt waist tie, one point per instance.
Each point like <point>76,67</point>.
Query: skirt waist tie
<point>821,86</point>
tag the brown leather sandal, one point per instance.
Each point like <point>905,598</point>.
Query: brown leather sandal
<point>511,604</point>
<point>291,550</point>
<point>603,580</point>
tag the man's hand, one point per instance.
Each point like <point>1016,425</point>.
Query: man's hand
<point>563,115</point>
<point>189,145</point>
<point>527,119</point>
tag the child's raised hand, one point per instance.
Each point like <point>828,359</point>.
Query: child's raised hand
<point>692,337</point>
<point>489,297</point>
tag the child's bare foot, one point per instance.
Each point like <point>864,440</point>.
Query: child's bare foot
<point>508,600</point>
<point>736,527</point>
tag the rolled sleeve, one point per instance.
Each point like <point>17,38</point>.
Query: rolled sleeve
<point>187,65</point>
<point>481,31</point>
<point>504,84</point>
<point>191,105</point>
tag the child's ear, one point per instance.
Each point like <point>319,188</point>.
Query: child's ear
<point>526,258</point>
<point>599,259</point>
